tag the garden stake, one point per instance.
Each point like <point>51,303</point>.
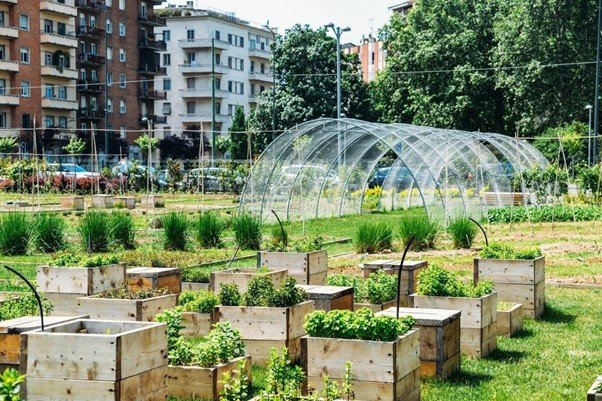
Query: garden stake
<point>403,259</point>
<point>284,240</point>
<point>482,230</point>
<point>233,257</point>
<point>34,293</point>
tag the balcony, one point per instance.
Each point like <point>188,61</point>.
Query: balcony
<point>66,40</point>
<point>90,59</point>
<point>8,1</point>
<point>202,68</point>
<point>10,32</point>
<point>8,65</point>
<point>151,20</point>
<point>203,118</point>
<point>9,100</point>
<point>151,94</point>
<point>259,77</point>
<point>152,70</point>
<point>60,104</point>
<point>87,114</point>
<point>90,32</point>
<point>94,6</point>
<point>151,44</point>
<point>202,44</point>
<point>89,86</point>
<point>59,72</point>
<point>260,54</point>
<point>155,119</point>
<point>66,7</point>
<point>203,93</point>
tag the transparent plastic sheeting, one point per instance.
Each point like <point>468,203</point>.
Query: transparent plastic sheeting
<point>326,167</point>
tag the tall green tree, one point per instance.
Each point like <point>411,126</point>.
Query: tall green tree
<point>304,61</point>
<point>238,135</point>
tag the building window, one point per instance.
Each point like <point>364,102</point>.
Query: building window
<point>49,121</point>
<point>122,132</point>
<point>122,56</point>
<point>236,87</point>
<point>25,89</point>
<point>190,34</point>
<point>166,84</point>
<point>166,132</point>
<point>218,35</point>
<point>166,36</point>
<point>3,120</point>
<point>122,29</point>
<point>63,92</point>
<point>24,22</point>
<point>122,81</point>
<point>109,105</point>
<point>24,56</point>
<point>122,4</point>
<point>166,108</point>
<point>190,107</point>
<point>109,52</point>
<point>109,79</point>
<point>122,108</point>
<point>166,59</point>
<point>62,122</point>
<point>109,26</point>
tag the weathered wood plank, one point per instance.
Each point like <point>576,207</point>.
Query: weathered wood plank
<point>511,271</point>
<point>306,268</point>
<point>153,278</point>
<point>80,280</point>
<point>126,309</point>
<point>196,324</point>
<point>510,322</point>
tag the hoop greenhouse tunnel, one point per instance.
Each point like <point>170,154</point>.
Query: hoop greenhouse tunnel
<point>323,168</point>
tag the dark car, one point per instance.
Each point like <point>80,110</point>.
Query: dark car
<point>403,179</point>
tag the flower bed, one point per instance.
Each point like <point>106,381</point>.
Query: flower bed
<point>242,276</point>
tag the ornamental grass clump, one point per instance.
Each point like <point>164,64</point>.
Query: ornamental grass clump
<point>49,231</point>
<point>501,251</point>
<point>438,282</point>
<point>463,232</point>
<point>93,230</point>
<point>122,230</point>
<point>175,231</point>
<point>15,233</point>
<point>247,231</point>
<point>373,238</point>
<point>209,228</point>
<point>424,230</point>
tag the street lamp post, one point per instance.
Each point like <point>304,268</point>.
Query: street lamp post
<point>149,182</point>
<point>589,108</point>
<point>597,87</point>
<point>273,68</point>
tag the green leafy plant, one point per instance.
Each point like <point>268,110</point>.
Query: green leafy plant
<point>261,292</point>
<point>209,229</point>
<point>122,230</point>
<point>463,232</point>
<point>283,378</point>
<point>93,230</point>
<point>11,385</point>
<point>235,385</point>
<point>175,231</point>
<point>378,288</point>
<point>436,281</point>
<point>7,144</point>
<point>544,213</point>
<point>229,295</point>
<point>173,319</point>
<point>125,293</point>
<point>373,238</point>
<point>247,231</point>
<point>193,275</point>
<point>15,233</point>
<point>501,251</point>
<point>68,259</point>
<point>23,305</point>
<point>198,301</point>
<point>424,230</point>
<point>49,232</point>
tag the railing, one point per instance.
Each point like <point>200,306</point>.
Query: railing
<point>151,19</point>
<point>87,85</point>
<point>154,118</point>
<point>152,69</point>
<point>94,5</point>
<point>152,94</point>
<point>90,114</point>
<point>90,31</point>
<point>152,44</point>
<point>91,58</point>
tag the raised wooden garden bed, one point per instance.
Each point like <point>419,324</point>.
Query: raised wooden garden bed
<point>517,281</point>
<point>242,276</point>
<point>595,391</point>
<point>439,339</point>
<point>478,324</point>
<point>154,278</point>
<point>152,201</point>
<point>103,201</point>
<point>263,328</point>
<point>328,297</point>
<point>510,321</point>
<point>72,202</point>
<point>126,202</point>
<point>374,307</point>
<point>187,382</point>
<point>409,275</point>
<point>382,371</point>
<point>505,198</point>
<point>195,324</point>
<point>88,360</point>
<point>141,310</point>
<point>306,268</point>
<point>190,286</point>
<point>62,286</point>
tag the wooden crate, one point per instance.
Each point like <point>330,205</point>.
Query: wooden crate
<point>517,281</point>
<point>409,275</point>
<point>382,371</point>
<point>310,268</point>
<point>328,297</point>
<point>505,198</point>
<point>478,328</point>
<point>152,201</point>
<point>262,328</point>
<point>374,307</point>
<point>128,202</point>
<point>242,276</point>
<point>103,201</point>
<point>196,324</point>
<point>153,278</point>
<point>439,339</point>
<point>189,286</point>
<point>141,310</point>
<point>88,360</point>
<point>72,202</point>
<point>203,383</point>
<point>510,322</point>
<point>594,394</point>
<point>80,280</point>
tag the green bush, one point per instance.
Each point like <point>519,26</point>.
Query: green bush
<point>373,238</point>
<point>198,301</point>
<point>209,229</point>
<point>229,295</point>
<point>544,214</point>
<point>15,233</point>
<point>23,305</point>
<point>122,230</point>
<point>378,288</point>
<point>93,230</point>
<point>49,232</point>
<point>463,232</point>
<point>68,259</point>
<point>175,231</point>
<point>261,292</point>
<point>501,251</point>
<point>360,325</point>
<point>247,231</point>
<point>424,230</point>
<point>193,275</point>
<point>438,282</point>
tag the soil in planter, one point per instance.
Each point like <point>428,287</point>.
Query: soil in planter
<point>125,293</point>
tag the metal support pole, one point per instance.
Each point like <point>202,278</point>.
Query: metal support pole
<point>212,102</point>
<point>597,90</point>
<point>589,136</point>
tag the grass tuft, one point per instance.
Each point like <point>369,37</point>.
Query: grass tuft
<point>122,230</point>
<point>49,232</point>
<point>463,232</point>
<point>93,230</point>
<point>373,238</point>
<point>15,233</point>
<point>209,230</point>
<point>247,231</point>
<point>423,228</point>
<point>175,231</point>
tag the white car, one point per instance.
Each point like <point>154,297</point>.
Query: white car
<point>71,170</point>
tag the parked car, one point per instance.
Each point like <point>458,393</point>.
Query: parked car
<point>213,178</point>
<point>70,170</point>
<point>403,178</point>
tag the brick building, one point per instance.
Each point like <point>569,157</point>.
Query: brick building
<point>371,54</point>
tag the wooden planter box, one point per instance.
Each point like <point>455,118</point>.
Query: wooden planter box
<point>382,371</point>
<point>73,202</point>
<point>504,198</point>
<point>593,394</point>
<point>152,201</point>
<point>265,328</point>
<point>196,324</point>
<point>439,339</point>
<point>328,297</point>
<point>140,310</point>
<point>517,281</point>
<point>103,201</point>
<point>375,307</point>
<point>187,382</point>
<point>409,275</point>
<point>478,328</point>
<point>306,268</point>
<point>89,360</point>
<point>10,336</point>
<point>242,276</point>
<point>128,202</point>
<point>64,285</point>
<point>510,322</point>
<point>153,278</point>
<point>189,286</point>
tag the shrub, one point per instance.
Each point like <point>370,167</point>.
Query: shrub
<point>175,231</point>
<point>501,251</point>
<point>373,238</point>
<point>193,275</point>
<point>122,229</point>
<point>24,305</point>
<point>424,230</point>
<point>261,292</point>
<point>93,230</point>
<point>279,238</point>
<point>209,230</point>
<point>198,301</point>
<point>438,282</point>
<point>229,295</point>
<point>378,288</point>
<point>68,259</point>
<point>463,232</point>
<point>247,231</point>
<point>49,232</point>
<point>15,233</point>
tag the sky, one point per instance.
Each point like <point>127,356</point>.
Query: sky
<point>361,16</point>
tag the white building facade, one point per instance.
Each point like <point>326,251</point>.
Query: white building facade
<point>206,47</point>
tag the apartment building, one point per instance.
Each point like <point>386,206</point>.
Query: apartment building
<point>371,54</point>
<point>402,8</point>
<point>206,48</point>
